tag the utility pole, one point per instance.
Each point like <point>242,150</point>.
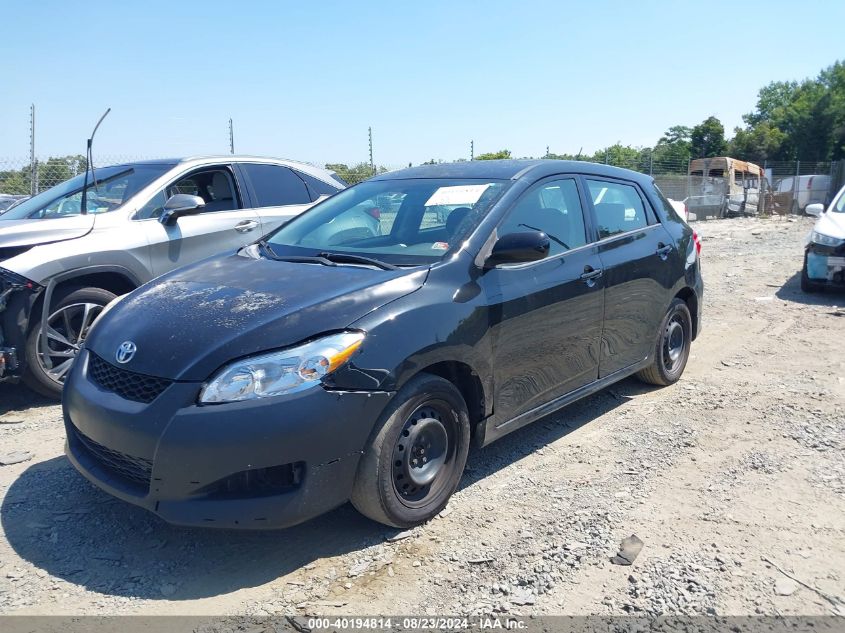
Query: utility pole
<point>372,164</point>
<point>472,150</point>
<point>231,137</point>
<point>33,166</point>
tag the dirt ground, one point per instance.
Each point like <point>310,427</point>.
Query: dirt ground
<point>734,479</point>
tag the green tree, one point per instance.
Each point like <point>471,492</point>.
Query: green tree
<point>15,182</point>
<point>676,135</point>
<point>620,155</point>
<point>501,154</point>
<point>758,143</point>
<point>707,139</point>
<point>797,120</point>
<point>355,174</point>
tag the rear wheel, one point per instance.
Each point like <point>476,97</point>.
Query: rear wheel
<point>68,325</point>
<point>416,455</point>
<point>672,348</point>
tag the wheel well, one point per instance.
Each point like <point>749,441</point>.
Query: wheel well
<point>468,383</point>
<point>688,296</point>
<point>113,282</point>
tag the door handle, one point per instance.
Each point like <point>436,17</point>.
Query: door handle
<point>663,250</point>
<point>246,226</point>
<point>591,274</point>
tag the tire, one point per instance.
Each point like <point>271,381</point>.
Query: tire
<point>807,285</point>
<point>81,305</point>
<point>427,414</point>
<point>672,347</point>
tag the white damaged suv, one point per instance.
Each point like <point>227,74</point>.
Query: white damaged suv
<point>140,220</point>
<point>824,252</point>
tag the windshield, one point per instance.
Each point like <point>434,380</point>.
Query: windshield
<point>402,222</point>
<point>6,203</point>
<point>115,185</point>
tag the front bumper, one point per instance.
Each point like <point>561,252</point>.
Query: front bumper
<point>17,296</point>
<point>209,465</point>
<point>826,264</point>
<point>9,364</point>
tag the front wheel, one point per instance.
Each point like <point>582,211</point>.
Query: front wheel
<point>808,285</point>
<point>416,455</point>
<point>67,327</point>
<point>672,348</point>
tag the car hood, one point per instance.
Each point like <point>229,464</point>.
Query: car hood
<point>831,223</point>
<point>188,324</point>
<point>43,231</point>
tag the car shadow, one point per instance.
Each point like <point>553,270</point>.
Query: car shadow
<point>791,291</point>
<point>16,397</point>
<point>57,521</point>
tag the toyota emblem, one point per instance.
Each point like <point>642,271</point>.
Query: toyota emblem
<point>125,352</point>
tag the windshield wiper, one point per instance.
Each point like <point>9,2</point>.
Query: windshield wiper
<point>305,259</point>
<point>349,258</point>
<point>325,258</point>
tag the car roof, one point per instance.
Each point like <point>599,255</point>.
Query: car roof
<point>515,169</point>
<point>197,161</point>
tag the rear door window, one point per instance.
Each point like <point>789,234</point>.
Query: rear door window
<point>276,186</point>
<point>619,207</point>
<point>317,187</point>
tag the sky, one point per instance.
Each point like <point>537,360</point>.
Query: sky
<point>304,80</point>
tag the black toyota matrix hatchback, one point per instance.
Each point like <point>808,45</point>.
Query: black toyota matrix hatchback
<point>337,359</point>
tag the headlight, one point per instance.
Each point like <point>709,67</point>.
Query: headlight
<point>286,371</point>
<point>825,240</point>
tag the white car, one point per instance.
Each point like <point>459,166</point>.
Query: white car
<point>824,252</point>
<point>138,221</point>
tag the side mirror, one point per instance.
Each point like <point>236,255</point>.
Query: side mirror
<point>815,209</point>
<point>519,248</point>
<point>180,204</point>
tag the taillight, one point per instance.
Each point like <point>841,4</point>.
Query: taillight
<point>697,241</point>
<point>375,212</point>
<point>810,183</point>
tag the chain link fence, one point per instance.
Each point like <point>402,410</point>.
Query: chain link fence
<point>785,187</point>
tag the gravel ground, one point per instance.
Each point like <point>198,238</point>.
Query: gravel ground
<point>734,479</point>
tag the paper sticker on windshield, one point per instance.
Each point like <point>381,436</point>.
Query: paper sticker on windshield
<point>440,246</point>
<point>459,194</point>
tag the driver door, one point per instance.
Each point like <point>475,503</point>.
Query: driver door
<point>222,225</point>
<point>546,316</point>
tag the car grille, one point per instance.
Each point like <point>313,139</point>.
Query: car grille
<point>126,384</point>
<point>135,470</point>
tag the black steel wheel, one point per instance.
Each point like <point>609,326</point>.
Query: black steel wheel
<point>672,347</point>
<point>416,454</point>
<point>422,453</point>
